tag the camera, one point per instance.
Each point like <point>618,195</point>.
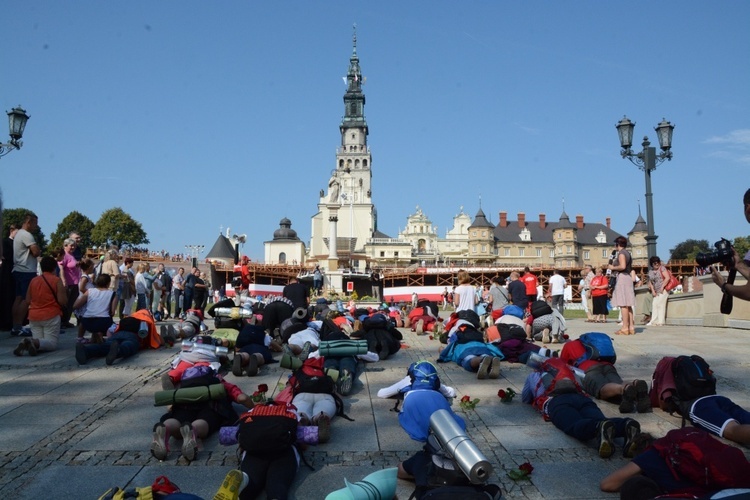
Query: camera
<point>723,254</point>
<point>237,282</point>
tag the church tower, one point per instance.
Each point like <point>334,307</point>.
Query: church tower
<point>348,198</point>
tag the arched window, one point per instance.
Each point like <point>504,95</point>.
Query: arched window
<point>282,258</point>
<point>341,163</point>
<point>364,163</point>
<point>356,163</point>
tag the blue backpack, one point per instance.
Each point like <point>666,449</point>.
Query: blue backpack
<point>598,348</point>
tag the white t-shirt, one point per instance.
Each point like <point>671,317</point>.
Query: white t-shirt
<point>557,284</point>
<point>466,296</point>
<point>23,261</point>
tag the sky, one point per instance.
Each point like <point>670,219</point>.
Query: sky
<point>195,116</point>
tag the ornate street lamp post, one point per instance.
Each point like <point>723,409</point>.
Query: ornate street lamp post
<point>17,119</point>
<point>647,160</point>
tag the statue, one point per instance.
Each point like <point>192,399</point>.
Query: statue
<point>322,193</point>
<point>333,189</point>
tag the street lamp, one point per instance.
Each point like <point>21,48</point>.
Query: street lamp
<point>195,251</point>
<point>647,160</point>
<point>17,119</point>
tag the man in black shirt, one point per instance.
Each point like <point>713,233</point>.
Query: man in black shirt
<point>517,291</point>
<point>296,292</point>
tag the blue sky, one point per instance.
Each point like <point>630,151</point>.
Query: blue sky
<point>196,115</point>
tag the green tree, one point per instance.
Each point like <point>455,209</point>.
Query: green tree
<point>742,245</point>
<point>16,217</point>
<point>115,227</point>
<point>73,222</point>
<point>688,249</point>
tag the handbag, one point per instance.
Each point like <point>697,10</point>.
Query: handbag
<point>672,283</point>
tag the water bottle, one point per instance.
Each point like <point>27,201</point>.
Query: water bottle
<point>535,361</point>
<point>143,330</point>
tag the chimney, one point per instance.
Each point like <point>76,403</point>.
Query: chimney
<point>609,222</point>
<point>542,221</point>
<point>521,220</point>
<point>579,221</point>
<point>503,219</point>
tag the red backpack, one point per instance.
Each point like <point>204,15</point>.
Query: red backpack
<point>694,455</point>
<point>557,378</point>
<point>663,386</point>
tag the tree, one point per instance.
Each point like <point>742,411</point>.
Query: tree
<point>117,228</point>
<point>742,245</point>
<point>16,217</point>
<point>74,222</point>
<point>688,249</point>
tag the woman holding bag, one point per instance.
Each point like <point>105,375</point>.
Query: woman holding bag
<point>658,277</point>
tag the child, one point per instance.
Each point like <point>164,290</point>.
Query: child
<point>86,283</point>
<point>100,308</point>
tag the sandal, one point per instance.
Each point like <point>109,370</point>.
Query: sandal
<point>622,332</point>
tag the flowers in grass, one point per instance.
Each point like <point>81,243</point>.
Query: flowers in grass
<point>468,404</point>
<point>506,395</point>
<point>523,472</point>
<point>260,395</point>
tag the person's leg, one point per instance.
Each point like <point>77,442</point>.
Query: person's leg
<point>49,335</point>
<point>177,293</point>
<point>304,404</point>
<point>575,415</point>
<point>20,306</point>
<point>72,294</point>
<point>256,468</point>
<point>281,472</point>
<point>661,318</point>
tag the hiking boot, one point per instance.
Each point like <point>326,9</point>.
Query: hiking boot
<point>237,365</point>
<point>166,382</point>
<point>252,366</point>
<point>234,482</point>
<point>545,336</point>
<point>419,327</point>
<point>494,371</point>
<point>642,399</point>
<point>18,351</point>
<point>324,428</point>
<point>189,444</point>
<point>114,350</point>
<point>345,382</point>
<point>81,356</point>
<point>159,448</point>
<point>627,404</point>
<point>306,348</point>
<point>606,432</point>
<point>30,347</point>
<point>25,332</point>
<point>632,429</point>
<point>484,368</point>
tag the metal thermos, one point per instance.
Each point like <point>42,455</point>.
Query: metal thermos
<point>457,444</point>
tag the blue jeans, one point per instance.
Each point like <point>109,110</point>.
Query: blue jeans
<point>342,363</point>
<point>142,302</point>
<point>577,416</point>
<point>187,299</point>
<point>177,293</point>
<point>128,346</point>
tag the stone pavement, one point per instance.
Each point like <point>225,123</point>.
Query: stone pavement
<point>71,432</point>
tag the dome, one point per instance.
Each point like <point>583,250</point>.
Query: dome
<point>285,231</point>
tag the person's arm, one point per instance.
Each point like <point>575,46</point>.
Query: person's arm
<point>739,291</point>
<point>614,481</point>
<point>621,263</point>
<point>456,298</point>
<point>113,304</point>
<point>35,250</point>
<point>81,300</point>
<point>62,294</point>
<point>393,390</point>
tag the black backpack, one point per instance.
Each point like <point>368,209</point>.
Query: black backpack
<point>267,427</point>
<point>509,331</point>
<point>693,378</point>
<point>540,308</point>
<point>470,316</point>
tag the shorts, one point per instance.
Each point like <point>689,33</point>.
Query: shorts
<point>598,376</point>
<point>713,413</point>
<point>22,281</point>
<point>187,415</point>
<point>97,325</point>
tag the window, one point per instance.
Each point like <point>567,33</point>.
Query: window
<point>538,252</point>
<point>484,248</point>
<point>569,249</point>
<point>521,252</point>
<point>638,252</point>
<point>364,163</point>
<point>473,249</point>
<point>586,255</point>
<point>474,233</point>
<point>282,258</point>
<point>382,254</point>
<point>552,253</point>
<point>604,253</point>
<point>484,234</point>
<point>506,252</point>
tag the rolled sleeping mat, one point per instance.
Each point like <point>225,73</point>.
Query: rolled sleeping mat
<point>190,395</point>
<point>458,445</point>
<point>231,312</point>
<point>290,362</point>
<point>333,348</point>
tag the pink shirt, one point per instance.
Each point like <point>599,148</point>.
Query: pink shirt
<point>71,271</point>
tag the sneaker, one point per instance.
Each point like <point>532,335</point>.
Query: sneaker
<point>234,482</point>
<point>345,382</point>
<point>439,328</point>
<point>632,429</point>
<point>555,340</point>
<point>606,431</point>
<point>114,349</point>
<point>627,404</point>
<point>484,368</point>
<point>189,444</point>
<point>419,328</point>
<point>642,399</point>
<point>306,347</point>
<point>237,365</point>
<point>18,351</point>
<point>545,336</point>
<point>15,333</point>
<point>30,347</point>
<point>159,448</point>
<point>252,366</point>
<point>81,356</point>
<point>25,332</point>
<point>166,382</point>
<point>494,371</point>
<point>324,428</point>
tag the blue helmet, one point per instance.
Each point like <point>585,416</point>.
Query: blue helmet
<point>423,376</point>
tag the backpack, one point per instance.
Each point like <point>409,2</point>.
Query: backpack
<point>267,427</point>
<point>693,378</point>
<point>431,304</point>
<point>466,334</point>
<point>598,348</point>
<point>540,308</point>
<point>311,378</point>
<point>509,331</point>
<point>470,316</point>
<point>423,375</point>
<point>694,455</point>
<point>663,386</point>
<point>557,378</point>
